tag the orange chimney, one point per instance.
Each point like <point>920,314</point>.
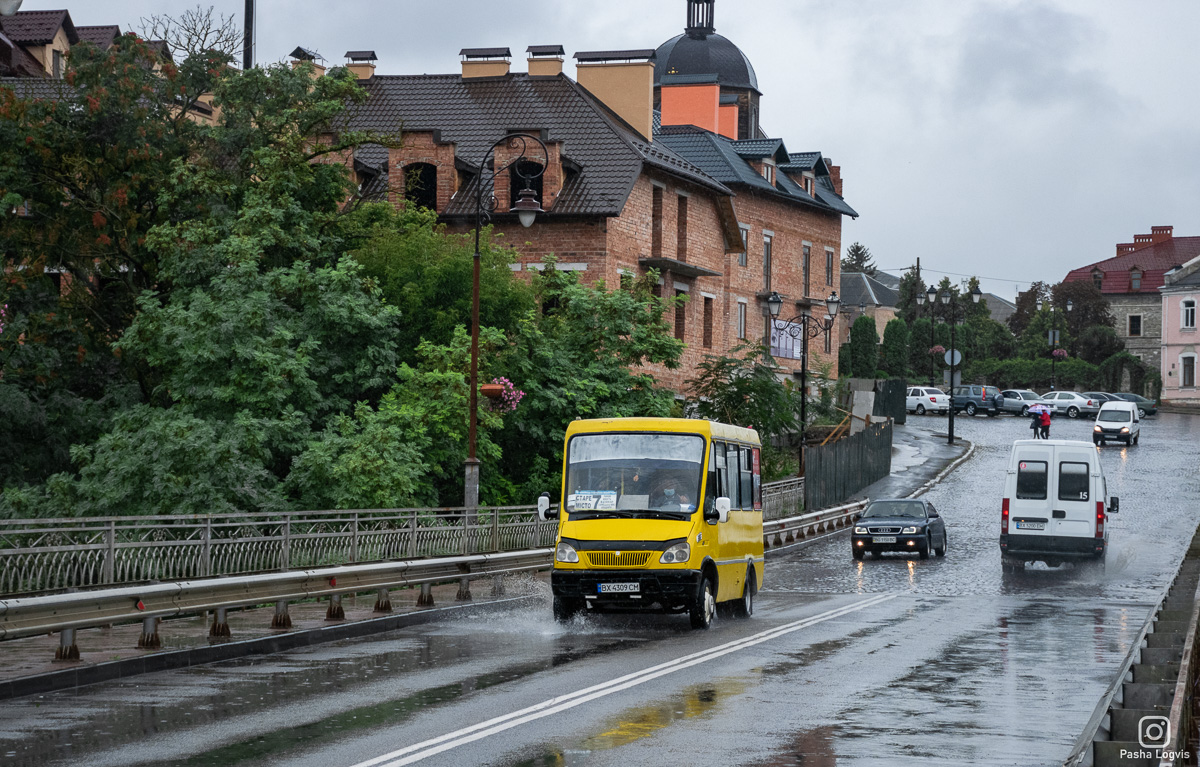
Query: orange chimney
<point>361,63</point>
<point>624,81</point>
<point>484,62</point>
<point>545,60</point>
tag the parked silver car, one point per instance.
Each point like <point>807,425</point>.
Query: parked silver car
<point>1070,403</point>
<point>1018,401</point>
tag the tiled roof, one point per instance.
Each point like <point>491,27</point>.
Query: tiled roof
<point>101,37</point>
<point>1000,308</point>
<point>15,61</point>
<point>718,157</point>
<point>800,161</point>
<point>34,87</point>
<point>1153,260</point>
<point>37,27</point>
<point>858,288</point>
<point>758,148</point>
<point>474,113</point>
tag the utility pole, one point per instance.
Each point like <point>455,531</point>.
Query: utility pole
<point>248,43</point>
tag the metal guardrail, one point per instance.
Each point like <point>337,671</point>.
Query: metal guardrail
<point>43,555</point>
<point>1154,691</point>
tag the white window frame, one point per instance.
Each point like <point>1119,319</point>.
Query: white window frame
<point>1195,362</point>
<point>1187,307</point>
<point>741,319</point>
<point>744,256</point>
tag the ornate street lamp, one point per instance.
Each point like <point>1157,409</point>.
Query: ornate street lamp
<point>1054,339</point>
<point>951,302</point>
<point>804,326</point>
<point>526,207</point>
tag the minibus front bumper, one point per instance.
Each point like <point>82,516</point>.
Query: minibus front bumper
<point>634,589</point>
<point>1057,545</point>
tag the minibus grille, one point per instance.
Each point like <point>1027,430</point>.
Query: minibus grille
<point>618,558</point>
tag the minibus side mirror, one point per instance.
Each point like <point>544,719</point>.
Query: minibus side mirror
<point>1114,505</point>
<point>543,506</point>
<point>722,509</point>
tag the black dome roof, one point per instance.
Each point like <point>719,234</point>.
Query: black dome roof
<point>710,54</point>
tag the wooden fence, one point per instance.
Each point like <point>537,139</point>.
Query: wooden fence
<point>836,471</point>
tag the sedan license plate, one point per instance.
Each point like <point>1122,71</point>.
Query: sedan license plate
<point>1031,525</point>
<point>884,539</point>
<point>618,588</point>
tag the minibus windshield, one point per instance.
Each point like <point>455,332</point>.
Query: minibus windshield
<point>633,475</point>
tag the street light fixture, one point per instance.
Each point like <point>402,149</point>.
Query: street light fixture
<point>804,326</point>
<point>932,302</point>
<point>951,302</point>
<point>1054,339</point>
<point>526,207</point>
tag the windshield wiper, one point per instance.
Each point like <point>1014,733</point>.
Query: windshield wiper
<point>605,514</point>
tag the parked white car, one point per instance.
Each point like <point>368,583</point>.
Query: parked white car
<point>922,399</point>
<point>1070,403</point>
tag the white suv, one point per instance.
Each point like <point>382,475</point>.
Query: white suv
<point>921,399</point>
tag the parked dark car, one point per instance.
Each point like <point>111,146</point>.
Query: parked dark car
<point>974,399</point>
<point>1017,401</point>
<point>899,525</point>
<point>1101,396</point>
<point>1145,406</point>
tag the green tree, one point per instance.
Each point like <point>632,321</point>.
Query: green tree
<point>894,351</point>
<point>919,343</point>
<point>911,286</point>
<point>858,259</point>
<point>1026,303</point>
<point>1098,343</point>
<point>1089,308</point>
<point>864,347</point>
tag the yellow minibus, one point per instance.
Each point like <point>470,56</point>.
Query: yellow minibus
<point>658,515</point>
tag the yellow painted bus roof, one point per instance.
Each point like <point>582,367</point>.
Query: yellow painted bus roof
<point>688,425</point>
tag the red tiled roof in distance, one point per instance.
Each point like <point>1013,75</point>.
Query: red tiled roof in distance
<point>38,27</point>
<point>102,37</point>
<point>1153,259</point>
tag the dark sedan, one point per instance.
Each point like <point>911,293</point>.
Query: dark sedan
<point>899,525</point>
<point>1145,406</point>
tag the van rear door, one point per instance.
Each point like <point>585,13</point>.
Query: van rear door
<point>1030,505</point>
<point>1074,508</point>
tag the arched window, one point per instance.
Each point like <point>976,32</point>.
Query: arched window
<point>1187,315</point>
<point>516,183</point>
<point>420,185</point>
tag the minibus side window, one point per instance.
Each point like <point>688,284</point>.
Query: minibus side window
<point>712,490</point>
<point>1073,484</point>
<point>757,481</point>
<point>1031,480</point>
<point>730,487</point>
<point>747,480</point>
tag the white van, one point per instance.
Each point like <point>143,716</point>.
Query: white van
<point>1117,421</point>
<point>1055,504</point>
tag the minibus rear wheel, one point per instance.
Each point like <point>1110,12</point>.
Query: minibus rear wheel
<point>744,607</point>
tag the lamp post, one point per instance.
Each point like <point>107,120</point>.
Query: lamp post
<point>932,297</point>
<point>950,301</point>
<point>804,326</point>
<point>526,207</point>
<point>1054,339</point>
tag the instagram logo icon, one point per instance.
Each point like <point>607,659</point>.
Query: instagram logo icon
<point>1154,732</point>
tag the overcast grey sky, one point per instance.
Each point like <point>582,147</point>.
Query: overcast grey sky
<point>1013,139</point>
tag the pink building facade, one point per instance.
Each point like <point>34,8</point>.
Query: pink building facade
<point>1180,337</point>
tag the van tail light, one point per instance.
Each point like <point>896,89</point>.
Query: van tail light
<point>1099,519</point>
<point>1004,516</point>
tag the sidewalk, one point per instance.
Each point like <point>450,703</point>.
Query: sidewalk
<point>918,455</point>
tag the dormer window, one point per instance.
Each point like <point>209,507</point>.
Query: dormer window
<point>1098,279</point>
<point>809,181</point>
<point>1135,279</point>
<point>768,171</point>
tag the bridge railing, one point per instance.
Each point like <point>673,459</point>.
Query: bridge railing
<point>45,555</point>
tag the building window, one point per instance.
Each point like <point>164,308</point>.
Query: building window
<point>828,341</point>
<point>806,266</point>
<point>680,314</point>
<point>1135,325</point>
<point>708,322</point>
<point>656,213</point>
<point>1187,312</point>
<point>766,262</point>
<point>741,328</point>
<point>420,185</point>
<point>828,267</point>
<point>743,257</point>
<point>681,230</point>
<point>1098,279</point>
<point>626,281</point>
<point>532,171</point>
<point>57,65</point>
<point>1135,280</point>
<point>769,172</point>
<point>1187,371</point>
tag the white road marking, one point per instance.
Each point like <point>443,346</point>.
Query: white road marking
<point>428,748</point>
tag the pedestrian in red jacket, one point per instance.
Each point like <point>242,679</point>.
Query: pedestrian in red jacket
<point>1045,425</point>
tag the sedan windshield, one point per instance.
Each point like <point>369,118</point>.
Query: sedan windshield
<point>1115,416</point>
<point>914,509</point>
<point>624,475</point>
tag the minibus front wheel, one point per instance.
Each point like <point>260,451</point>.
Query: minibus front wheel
<point>565,609</point>
<point>704,606</point>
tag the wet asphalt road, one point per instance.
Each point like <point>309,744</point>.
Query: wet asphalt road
<point>885,661</point>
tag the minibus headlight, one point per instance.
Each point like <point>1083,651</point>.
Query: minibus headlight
<point>680,552</point>
<point>860,531</point>
<point>909,531</point>
<point>566,553</point>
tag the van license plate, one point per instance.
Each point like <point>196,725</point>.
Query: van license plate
<point>1031,525</point>
<point>618,588</point>
<point>884,539</point>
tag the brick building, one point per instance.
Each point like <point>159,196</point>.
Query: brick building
<point>692,189</point>
<point>1131,281</point>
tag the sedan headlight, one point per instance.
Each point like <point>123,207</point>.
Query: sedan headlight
<point>908,531</point>
<point>566,553</point>
<point>680,552</point>
<point>860,531</point>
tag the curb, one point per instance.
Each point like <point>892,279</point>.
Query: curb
<point>108,671</point>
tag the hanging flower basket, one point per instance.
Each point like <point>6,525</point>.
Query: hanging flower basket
<point>506,397</point>
<point>937,350</point>
<point>492,390</point>
<point>1060,354</point>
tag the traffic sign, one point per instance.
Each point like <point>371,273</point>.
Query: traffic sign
<point>957,357</point>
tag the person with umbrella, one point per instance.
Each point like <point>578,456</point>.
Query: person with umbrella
<point>1040,429</point>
